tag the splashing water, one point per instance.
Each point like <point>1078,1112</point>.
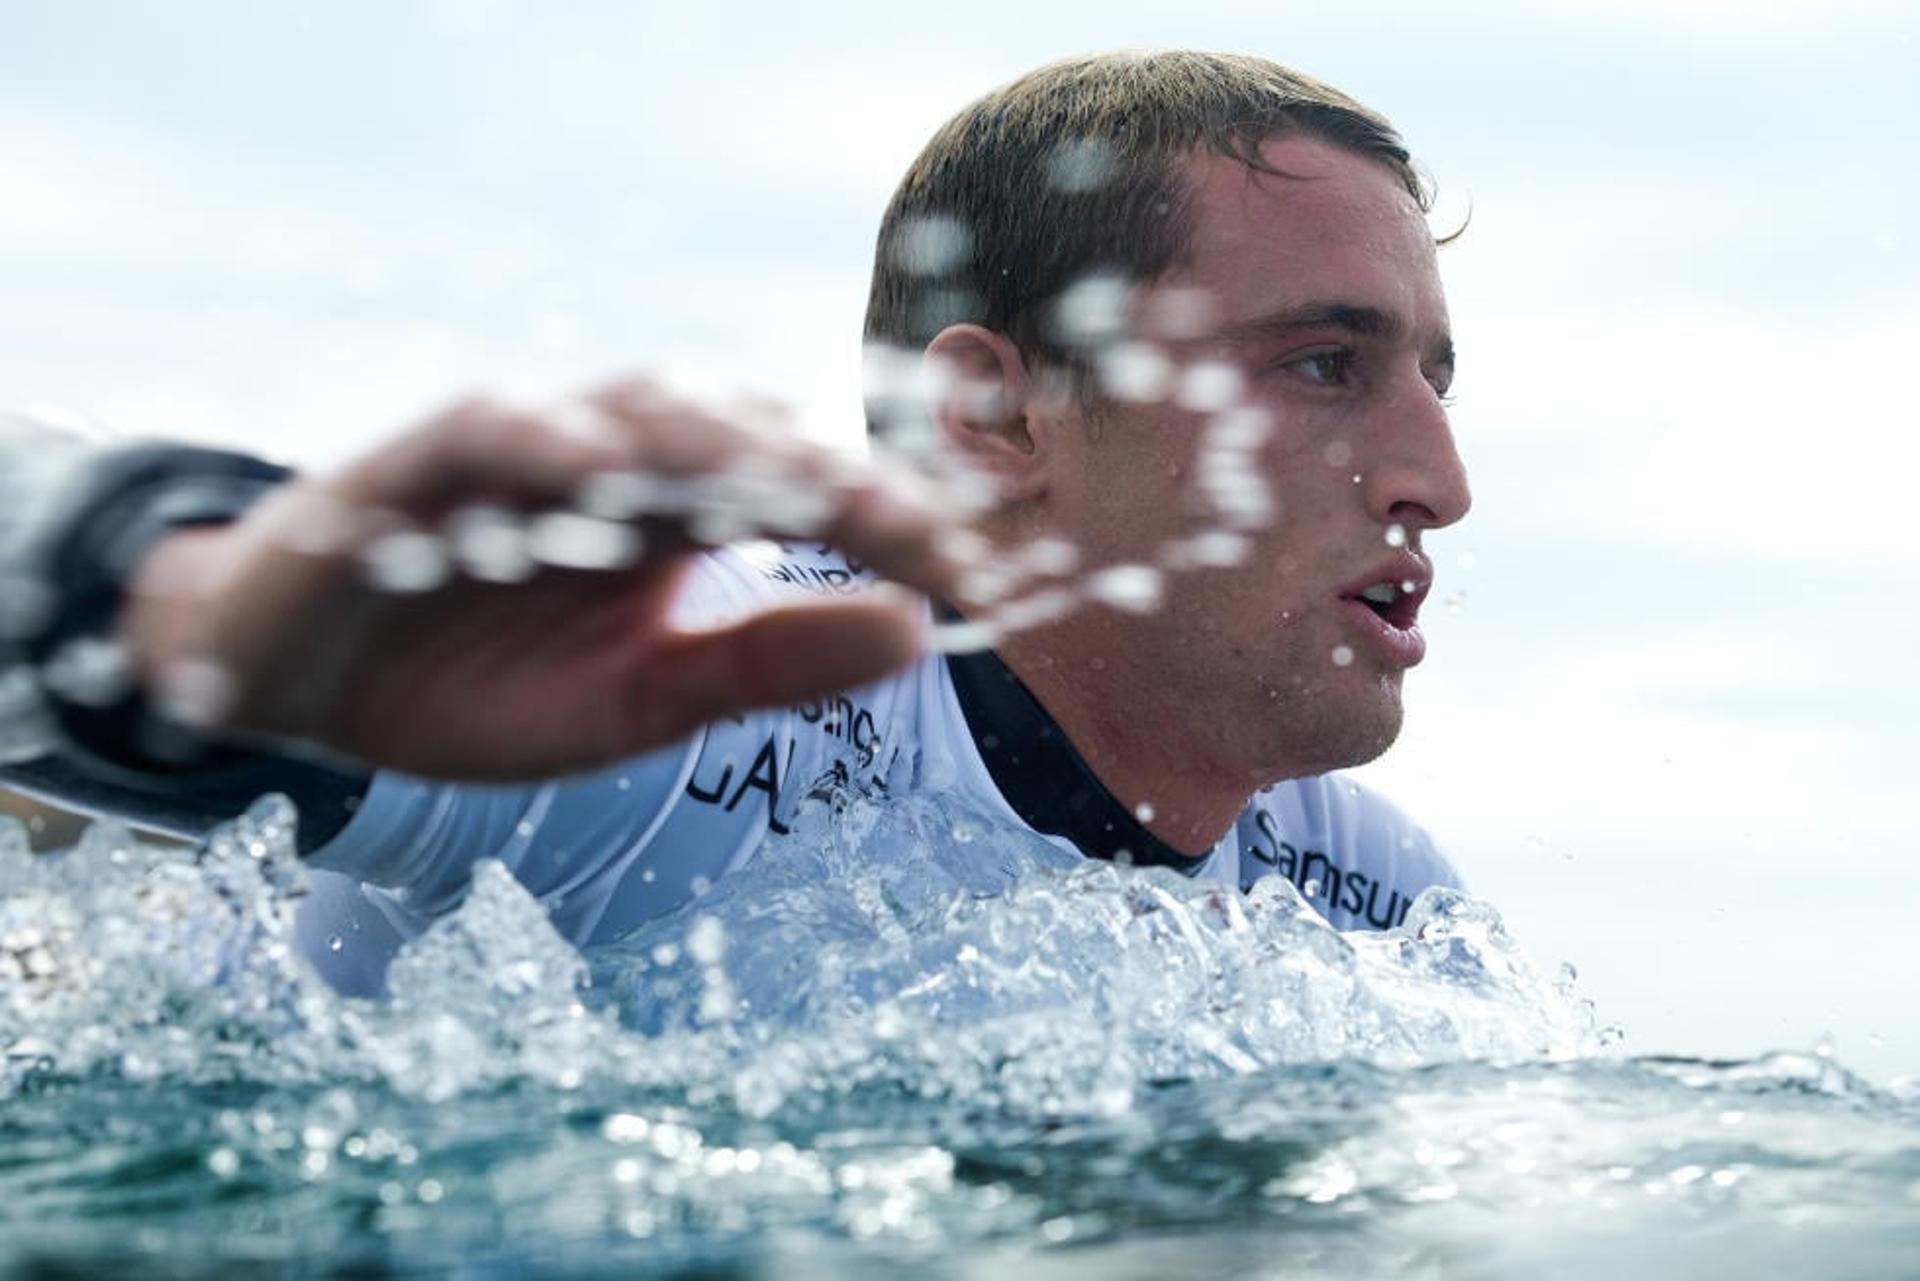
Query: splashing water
<point>903,1035</point>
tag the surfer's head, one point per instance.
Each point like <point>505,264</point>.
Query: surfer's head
<point>1076,172</point>
<point>1193,311</point>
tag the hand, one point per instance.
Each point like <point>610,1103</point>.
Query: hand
<point>275,626</point>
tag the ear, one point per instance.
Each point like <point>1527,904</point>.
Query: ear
<point>984,411</point>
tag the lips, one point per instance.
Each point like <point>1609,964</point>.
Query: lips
<point>1383,608</point>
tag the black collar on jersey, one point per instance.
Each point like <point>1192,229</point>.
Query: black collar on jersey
<point>1040,773</point>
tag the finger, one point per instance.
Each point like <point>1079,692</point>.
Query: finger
<point>906,529</point>
<point>682,436</point>
<point>768,485</point>
<point>482,449</point>
<point>775,659</point>
<point>712,478</point>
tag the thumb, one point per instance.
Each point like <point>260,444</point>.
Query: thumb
<point>785,655</point>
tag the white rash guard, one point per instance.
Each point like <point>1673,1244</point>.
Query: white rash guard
<point>609,850</point>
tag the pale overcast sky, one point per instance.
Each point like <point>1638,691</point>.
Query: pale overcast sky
<point>1670,727</point>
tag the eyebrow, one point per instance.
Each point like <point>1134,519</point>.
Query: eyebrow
<point>1369,322</point>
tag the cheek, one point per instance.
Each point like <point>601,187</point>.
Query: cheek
<point>1310,482</point>
<point>1138,502</point>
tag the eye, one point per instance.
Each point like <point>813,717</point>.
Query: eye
<point>1332,368</point>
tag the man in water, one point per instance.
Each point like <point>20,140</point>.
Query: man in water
<point>1193,351</point>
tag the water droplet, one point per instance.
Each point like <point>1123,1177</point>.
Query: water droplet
<point>1396,536</point>
<point>196,692</point>
<point>224,1162</point>
<point>706,941</point>
<point>1342,656</point>
<point>963,547</point>
<point>616,495</point>
<point>406,562</point>
<point>90,670</point>
<point>1209,386</point>
<point>1034,610</point>
<point>1092,311</point>
<point>573,541</point>
<point>491,544</point>
<point>1081,164</point>
<point>335,943</point>
<point>933,245</point>
<point>1134,588</point>
<point>1217,549</point>
<point>963,637</point>
<point>1338,453</point>
<point>1135,371</point>
<point>1051,556</point>
<point>1144,811</point>
<point>625,1127</point>
<point>984,585</point>
<point>1236,432</point>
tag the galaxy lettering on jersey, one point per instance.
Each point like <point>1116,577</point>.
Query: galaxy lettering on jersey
<point>840,719</point>
<point>1318,877</point>
<point>762,775</point>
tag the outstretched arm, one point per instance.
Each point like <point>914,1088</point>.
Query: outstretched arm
<point>546,646</point>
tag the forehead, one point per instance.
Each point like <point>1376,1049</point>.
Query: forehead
<point>1331,226</point>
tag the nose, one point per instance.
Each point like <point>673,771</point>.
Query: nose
<point>1417,480</point>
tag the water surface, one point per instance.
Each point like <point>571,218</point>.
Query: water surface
<point>902,1038</point>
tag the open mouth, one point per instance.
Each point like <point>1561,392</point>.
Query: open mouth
<point>1396,604</point>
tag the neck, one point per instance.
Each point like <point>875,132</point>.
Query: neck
<point>1148,749</point>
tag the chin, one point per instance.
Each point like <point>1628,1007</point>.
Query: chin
<point>1363,739</point>
<point>1343,728</point>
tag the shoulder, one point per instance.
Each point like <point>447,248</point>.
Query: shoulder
<point>1364,823</point>
<point>1344,845</point>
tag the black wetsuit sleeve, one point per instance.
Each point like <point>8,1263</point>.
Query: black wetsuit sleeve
<point>102,748</point>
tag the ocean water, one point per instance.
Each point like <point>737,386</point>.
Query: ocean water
<point>902,1041</point>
